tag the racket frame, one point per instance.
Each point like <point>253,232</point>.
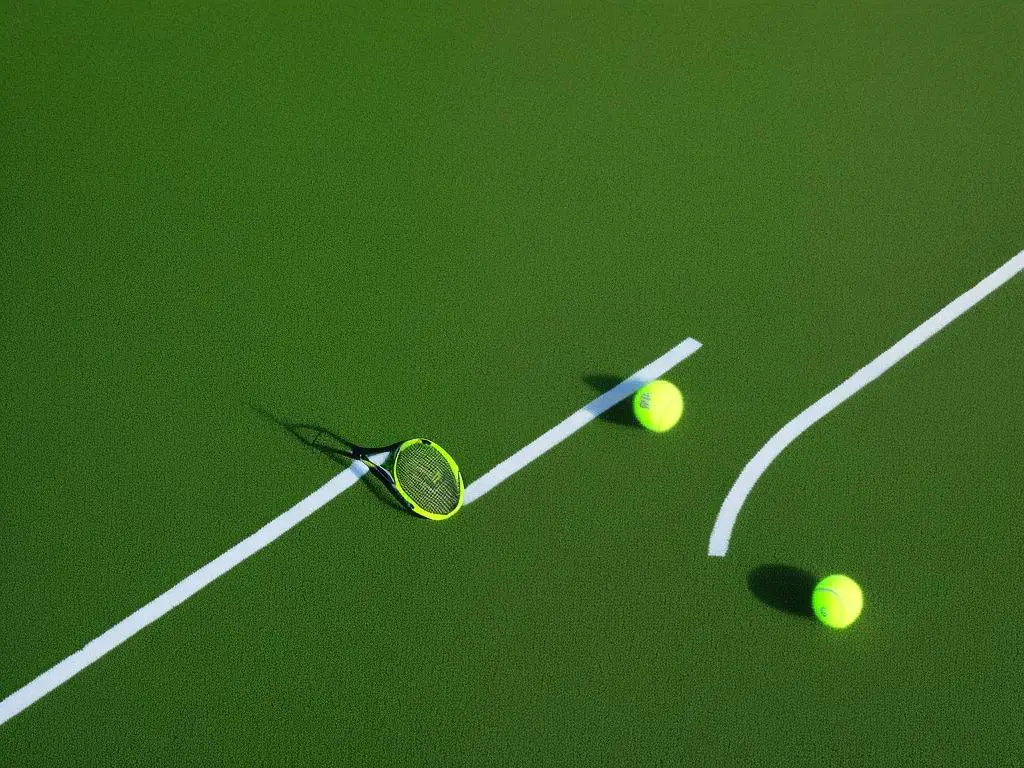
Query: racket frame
<point>362,454</point>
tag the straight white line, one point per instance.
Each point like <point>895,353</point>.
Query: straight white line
<point>722,531</point>
<point>580,419</point>
<point>59,674</point>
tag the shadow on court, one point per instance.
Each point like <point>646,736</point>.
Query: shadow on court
<point>327,443</point>
<point>620,413</point>
<point>783,588</point>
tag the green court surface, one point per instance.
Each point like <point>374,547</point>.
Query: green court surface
<point>466,221</point>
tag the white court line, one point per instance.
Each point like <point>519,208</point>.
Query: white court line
<point>722,531</point>
<point>59,674</point>
<point>581,418</point>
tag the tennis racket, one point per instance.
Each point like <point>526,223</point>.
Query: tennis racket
<point>419,473</point>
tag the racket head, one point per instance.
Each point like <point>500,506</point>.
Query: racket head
<point>427,478</point>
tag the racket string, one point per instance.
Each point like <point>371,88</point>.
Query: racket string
<point>426,477</point>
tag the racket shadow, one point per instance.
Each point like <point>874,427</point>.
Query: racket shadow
<point>328,444</point>
<point>621,413</point>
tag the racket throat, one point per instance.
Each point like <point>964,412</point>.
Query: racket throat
<point>389,480</point>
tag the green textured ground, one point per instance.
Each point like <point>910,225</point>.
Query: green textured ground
<point>465,222</point>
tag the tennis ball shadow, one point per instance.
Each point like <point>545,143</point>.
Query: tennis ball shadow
<point>783,588</point>
<point>620,413</point>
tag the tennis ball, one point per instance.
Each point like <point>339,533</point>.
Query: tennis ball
<point>658,405</point>
<point>837,601</point>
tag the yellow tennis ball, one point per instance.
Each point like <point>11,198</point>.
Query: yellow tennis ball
<point>658,406</point>
<point>837,601</point>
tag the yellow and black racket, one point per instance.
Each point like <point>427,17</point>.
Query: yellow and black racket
<point>419,473</point>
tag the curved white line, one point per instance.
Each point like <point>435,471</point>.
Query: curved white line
<point>756,467</point>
